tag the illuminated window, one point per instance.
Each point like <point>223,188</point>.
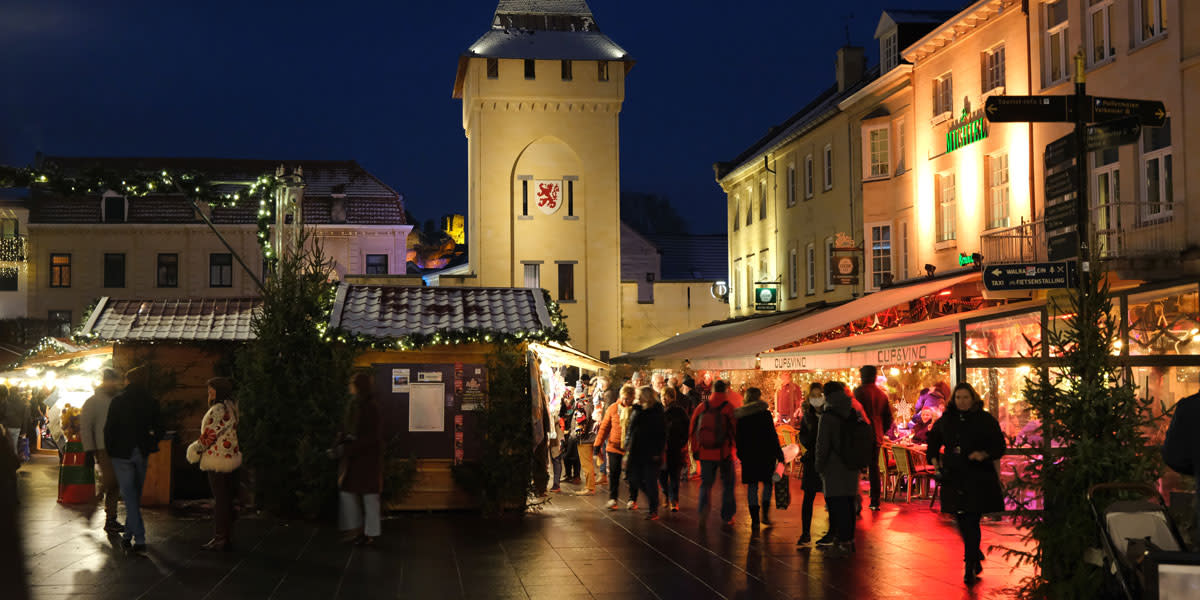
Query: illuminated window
<point>1158,197</point>
<point>1100,46</point>
<point>888,52</point>
<point>810,261</point>
<point>1054,43</point>
<point>791,185</point>
<point>530,68</point>
<point>877,151</point>
<point>904,251</point>
<point>901,148</point>
<point>1106,198</point>
<point>828,167</point>
<point>943,95</point>
<point>60,270</point>
<point>220,270</point>
<point>566,70</point>
<point>602,70</point>
<point>533,275</point>
<point>993,69</point>
<point>881,255</point>
<point>493,68</point>
<point>997,191</point>
<point>946,207</point>
<point>808,176</point>
<point>762,200</point>
<point>114,270</point>
<point>1151,19</point>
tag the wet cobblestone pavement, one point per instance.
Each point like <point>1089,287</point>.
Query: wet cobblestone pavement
<point>574,548</point>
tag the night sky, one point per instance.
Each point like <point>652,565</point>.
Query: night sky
<point>372,81</point>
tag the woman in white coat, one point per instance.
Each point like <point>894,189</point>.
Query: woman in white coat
<point>218,453</point>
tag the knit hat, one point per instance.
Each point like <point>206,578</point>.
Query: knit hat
<point>223,386</point>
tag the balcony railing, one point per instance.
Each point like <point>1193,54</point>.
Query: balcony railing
<point>1121,230</point>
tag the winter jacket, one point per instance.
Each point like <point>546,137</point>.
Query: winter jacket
<point>968,485</point>
<point>1181,449</point>
<point>647,435</point>
<point>611,433</point>
<point>838,480</point>
<point>16,411</point>
<point>360,470</point>
<point>719,401</point>
<point>806,435</point>
<point>133,421</point>
<point>757,443</point>
<point>217,449</point>
<point>677,435</point>
<point>583,427</point>
<point>92,417</point>
<point>689,401</point>
<point>879,408</point>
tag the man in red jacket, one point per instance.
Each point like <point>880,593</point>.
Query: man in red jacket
<point>879,413</point>
<point>712,433</point>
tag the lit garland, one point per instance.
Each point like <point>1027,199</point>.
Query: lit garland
<point>139,183</point>
<point>13,255</point>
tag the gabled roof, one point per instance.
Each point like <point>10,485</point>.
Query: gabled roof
<point>393,312</point>
<point>202,320</point>
<point>368,201</point>
<point>693,256</point>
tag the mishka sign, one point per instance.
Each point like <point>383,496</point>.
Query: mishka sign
<point>966,132</point>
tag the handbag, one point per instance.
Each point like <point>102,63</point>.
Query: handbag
<point>783,493</point>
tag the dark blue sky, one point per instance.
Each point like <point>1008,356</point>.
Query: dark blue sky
<point>372,81</point>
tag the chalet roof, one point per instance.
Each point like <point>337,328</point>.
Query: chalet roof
<point>180,320</point>
<point>544,7</point>
<point>394,312</point>
<point>368,201</point>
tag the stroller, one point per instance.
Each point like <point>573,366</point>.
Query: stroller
<point>1138,535</point>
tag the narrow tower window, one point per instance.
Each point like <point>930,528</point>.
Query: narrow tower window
<point>493,68</point>
<point>602,70</point>
<point>530,71</point>
<point>566,70</point>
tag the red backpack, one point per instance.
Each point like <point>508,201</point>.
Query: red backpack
<point>710,430</point>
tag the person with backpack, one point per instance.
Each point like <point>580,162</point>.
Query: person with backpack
<point>713,430</point>
<point>612,435</point>
<point>759,452</point>
<point>965,446</point>
<point>810,479</point>
<point>1181,447</point>
<point>677,440</point>
<point>844,443</point>
<point>879,413</point>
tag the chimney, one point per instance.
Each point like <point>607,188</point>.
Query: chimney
<point>851,66</point>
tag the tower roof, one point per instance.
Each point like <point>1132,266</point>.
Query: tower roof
<point>542,30</point>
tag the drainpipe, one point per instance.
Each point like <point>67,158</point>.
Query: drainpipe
<point>1029,87</point>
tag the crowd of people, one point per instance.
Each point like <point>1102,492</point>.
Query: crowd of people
<point>652,435</point>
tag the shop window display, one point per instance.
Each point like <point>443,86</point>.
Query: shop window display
<point>1003,392</point>
<point>1015,336</point>
<point>1164,322</point>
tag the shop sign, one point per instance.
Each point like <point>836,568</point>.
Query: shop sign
<point>972,128</point>
<point>548,194</point>
<point>911,353</point>
<point>899,354</point>
<point>720,291</point>
<point>1030,276</point>
<point>766,297</point>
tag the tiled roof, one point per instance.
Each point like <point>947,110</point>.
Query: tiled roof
<point>398,311</point>
<point>544,7</point>
<point>368,200</point>
<point>547,45</point>
<point>693,256</point>
<point>203,319</point>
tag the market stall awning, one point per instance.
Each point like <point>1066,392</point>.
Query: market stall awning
<point>931,340</point>
<point>564,354</point>
<point>668,352</point>
<point>734,348</point>
<point>176,320</point>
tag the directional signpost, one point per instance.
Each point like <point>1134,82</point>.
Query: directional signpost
<point>1030,276</point>
<point>1025,109</point>
<point>1151,113</point>
<point>1110,134</point>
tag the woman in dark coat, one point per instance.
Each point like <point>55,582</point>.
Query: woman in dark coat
<point>758,450</point>
<point>678,419</point>
<point>965,445</point>
<point>644,451</point>
<point>810,479</point>
<point>360,470</point>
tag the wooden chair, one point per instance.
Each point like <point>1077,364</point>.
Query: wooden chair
<point>910,473</point>
<point>887,470</point>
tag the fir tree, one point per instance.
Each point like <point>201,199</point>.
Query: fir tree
<point>294,384</point>
<point>1094,429</point>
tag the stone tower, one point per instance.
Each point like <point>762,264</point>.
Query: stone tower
<point>541,93</point>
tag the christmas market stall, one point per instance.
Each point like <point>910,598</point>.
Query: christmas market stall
<point>429,350</point>
<point>183,343</point>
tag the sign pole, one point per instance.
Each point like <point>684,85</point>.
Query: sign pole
<point>1083,219</point>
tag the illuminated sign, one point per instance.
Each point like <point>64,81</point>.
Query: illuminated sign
<point>966,132</point>
<point>886,355</point>
<point>965,260</point>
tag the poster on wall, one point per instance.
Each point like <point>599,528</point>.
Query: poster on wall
<point>427,407</point>
<point>548,194</point>
<point>472,396</point>
<point>429,376</point>
<point>400,381</point>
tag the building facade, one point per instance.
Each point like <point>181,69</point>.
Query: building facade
<point>83,247</point>
<point>541,93</point>
<point>789,195</point>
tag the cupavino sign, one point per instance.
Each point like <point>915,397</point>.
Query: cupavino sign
<point>897,354</point>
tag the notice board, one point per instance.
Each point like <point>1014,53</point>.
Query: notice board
<point>431,409</point>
